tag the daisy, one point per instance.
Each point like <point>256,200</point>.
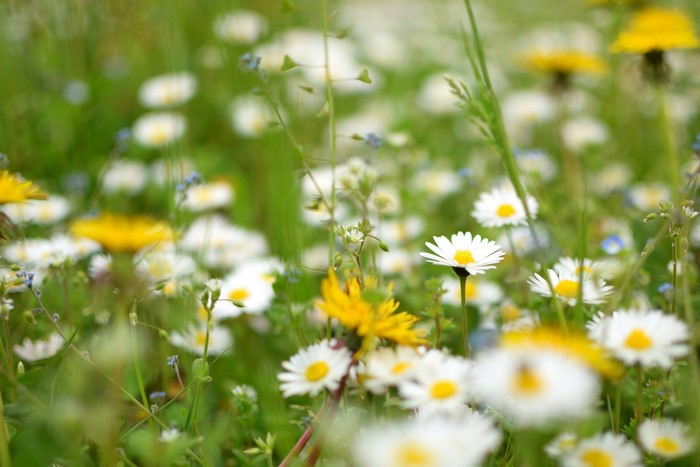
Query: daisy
<point>436,442</point>
<point>480,292</point>
<point>583,132</point>
<point>194,339</point>
<point>566,287</point>
<point>395,261</point>
<point>165,266</point>
<point>240,27</point>
<point>167,90</point>
<point>607,449</point>
<point>561,445</point>
<point>388,367</point>
<point>250,116</point>
<point>45,212</point>
<point>533,387</point>
<point>646,337</point>
<point>573,267</point>
<point>315,368</point>
<point>439,383</point>
<point>252,291</point>
<point>158,129</point>
<point>31,351</point>
<point>501,206</point>
<point>124,176</point>
<point>471,255</point>
<point>665,438</point>
<point>208,196</point>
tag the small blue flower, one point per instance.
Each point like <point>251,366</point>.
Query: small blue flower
<point>665,288</point>
<point>373,140</point>
<point>156,396</point>
<point>249,62</point>
<point>173,361</point>
<point>612,245</point>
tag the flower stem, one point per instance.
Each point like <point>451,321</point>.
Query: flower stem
<point>4,438</point>
<point>465,318</point>
<point>638,405</point>
<point>674,271</point>
<point>671,154</point>
<point>137,366</point>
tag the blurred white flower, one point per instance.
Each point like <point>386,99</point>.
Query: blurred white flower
<point>157,129</point>
<point>167,90</point>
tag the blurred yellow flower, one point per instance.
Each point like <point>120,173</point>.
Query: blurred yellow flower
<point>118,233</point>
<point>368,320</point>
<point>656,30</point>
<point>564,62</point>
<point>13,189</point>
<point>573,345</point>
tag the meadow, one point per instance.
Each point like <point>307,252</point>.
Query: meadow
<point>349,233</point>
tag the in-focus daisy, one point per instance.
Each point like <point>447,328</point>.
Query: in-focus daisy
<point>31,351</point>
<point>470,255</point>
<point>195,336</point>
<point>167,90</point>
<point>14,189</point>
<point>117,233</point>
<point>315,368</point>
<point>501,206</point>
<point>647,337</point>
<point>665,438</point>
<point>158,129</point>
<point>533,387</point>
<point>606,449</point>
<point>388,367</point>
<point>567,288</point>
<point>436,442</point>
<point>439,383</point>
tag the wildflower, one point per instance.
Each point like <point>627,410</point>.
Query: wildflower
<point>167,90</point>
<point>250,290</point>
<point>125,176</point>
<point>194,338</point>
<point>249,62</point>
<point>665,438</point>
<point>502,207</point>
<point>440,383</point>
<point>250,116</point>
<point>656,30</point>
<point>117,233</point>
<point>603,449</point>
<point>315,368</point>
<point>563,62</point>
<point>208,196</point>
<point>533,386</point>
<point>561,445</point>
<point>240,27</point>
<point>436,442</point>
<point>470,255</point>
<point>367,318</point>
<point>44,212</point>
<point>646,196</point>
<point>169,435</point>
<point>159,129</point>
<point>612,245</point>
<point>165,266</point>
<point>14,189</point>
<point>646,337</point>
<point>582,133</point>
<point>477,292</point>
<point>567,288</point>
<point>388,367</point>
<point>32,351</point>
<point>395,262</point>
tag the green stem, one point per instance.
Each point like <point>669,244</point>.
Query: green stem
<point>671,153</point>
<point>674,270</point>
<point>638,404</point>
<point>618,407</point>
<point>4,438</point>
<point>137,366</point>
<point>465,318</point>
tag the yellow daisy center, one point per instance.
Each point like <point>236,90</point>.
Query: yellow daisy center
<point>586,270</point>
<point>567,288</point>
<point>316,371</point>
<point>505,210</point>
<point>463,257</point>
<point>160,267</point>
<point>527,382</point>
<point>666,446</point>
<point>160,135</point>
<point>510,313</point>
<point>412,455</point>
<point>200,338</point>
<point>238,294</point>
<point>597,458</point>
<point>638,340</point>
<point>443,389</point>
<point>470,290</point>
<point>400,367</point>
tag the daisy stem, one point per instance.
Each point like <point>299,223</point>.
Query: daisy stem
<point>618,407</point>
<point>674,271</point>
<point>465,318</point>
<point>638,405</point>
<point>671,154</point>
<point>4,438</point>
<point>135,353</point>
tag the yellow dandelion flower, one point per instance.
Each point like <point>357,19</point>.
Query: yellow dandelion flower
<point>573,345</point>
<point>564,62</point>
<point>368,320</point>
<point>118,233</point>
<point>656,30</point>
<point>14,189</point>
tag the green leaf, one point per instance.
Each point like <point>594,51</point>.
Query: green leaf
<point>288,64</point>
<point>364,76</point>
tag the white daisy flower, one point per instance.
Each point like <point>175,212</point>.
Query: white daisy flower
<point>501,206</point>
<point>125,176</point>
<point>606,449</point>
<point>436,442</point>
<point>646,196</point>
<point>169,435</point>
<point>399,231</point>
<point>31,351</point>
<point>473,254</point>
<point>536,164</point>
<point>561,445</point>
<point>167,266</point>
<point>253,291</point>
<point>533,387</point>
<point>167,90</point>
<point>315,368</point>
<point>477,292</point>
<point>647,337</point>
<point>158,129</point>
<point>43,212</point>
<point>395,261</point>
<point>440,383</point>
<point>583,132</point>
<point>566,287</point>
<point>665,438</point>
<point>251,116</point>
<point>573,267</point>
<point>520,240</point>
<point>437,182</point>
<point>240,27</point>
<point>194,338</point>
<point>388,367</point>
<point>208,196</point>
